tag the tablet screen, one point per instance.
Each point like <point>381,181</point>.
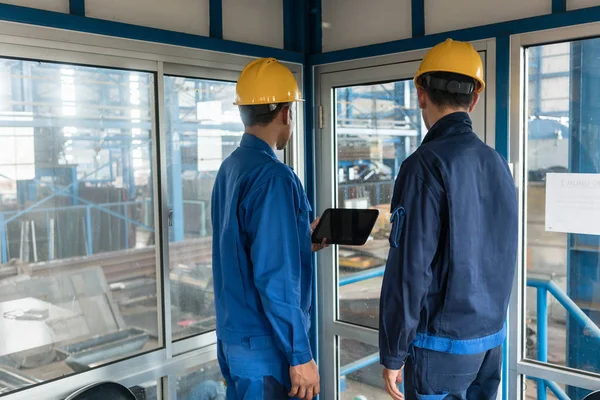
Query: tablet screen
<point>345,226</point>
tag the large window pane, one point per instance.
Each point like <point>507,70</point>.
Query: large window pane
<point>377,127</point>
<point>203,128</point>
<point>77,280</point>
<point>562,264</point>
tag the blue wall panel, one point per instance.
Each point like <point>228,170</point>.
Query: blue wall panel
<point>215,8</point>
<point>559,6</point>
<point>418,18</point>
<point>77,7</point>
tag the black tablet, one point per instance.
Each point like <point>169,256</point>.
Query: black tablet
<point>345,226</point>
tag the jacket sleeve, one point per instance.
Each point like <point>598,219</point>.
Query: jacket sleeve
<point>272,225</point>
<point>413,246</point>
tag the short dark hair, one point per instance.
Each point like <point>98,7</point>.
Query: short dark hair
<point>443,98</point>
<point>260,115</point>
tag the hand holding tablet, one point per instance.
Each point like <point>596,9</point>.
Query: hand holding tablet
<point>345,226</point>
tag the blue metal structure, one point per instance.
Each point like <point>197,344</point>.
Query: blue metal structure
<point>215,9</point>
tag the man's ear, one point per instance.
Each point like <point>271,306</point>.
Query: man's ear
<point>474,102</point>
<point>286,115</point>
<point>422,97</point>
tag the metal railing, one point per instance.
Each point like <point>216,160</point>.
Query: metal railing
<point>543,288</point>
<point>16,216</point>
<point>590,328</point>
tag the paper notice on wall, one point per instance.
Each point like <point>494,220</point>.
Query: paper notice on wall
<point>573,203</point>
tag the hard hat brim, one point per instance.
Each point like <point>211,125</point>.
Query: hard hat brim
<point>260,103</point>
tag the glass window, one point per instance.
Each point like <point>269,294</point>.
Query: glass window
<point>377,127</point>
<point>203,382</point>
<point>562,156</point>
<point>77,280</point>
<point>203,128</point>
<point>360,371</point>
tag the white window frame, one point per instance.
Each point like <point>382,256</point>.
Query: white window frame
<point>519,367</point>
<point>363,71</point>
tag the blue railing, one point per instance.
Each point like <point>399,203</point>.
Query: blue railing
<point>543,288</point>
<point>590,328</point>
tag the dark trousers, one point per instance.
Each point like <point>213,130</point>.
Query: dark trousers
<point>431,375</point>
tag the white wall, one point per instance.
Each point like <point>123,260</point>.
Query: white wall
<point>189,16</point>
<point>49,5</point>
<point>448,15</point>
<point>575,4</point>
<point>253,21</point>
<point>351,23</point>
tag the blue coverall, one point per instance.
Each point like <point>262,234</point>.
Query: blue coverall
<point>450,269</point>
<point>262,272</point>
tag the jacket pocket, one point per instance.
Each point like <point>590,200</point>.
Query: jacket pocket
<point>397,221</point>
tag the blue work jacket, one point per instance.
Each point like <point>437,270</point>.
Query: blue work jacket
<point>453,247</point>
<point>262,257</point>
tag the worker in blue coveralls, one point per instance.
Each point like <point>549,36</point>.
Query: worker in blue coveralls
<point>262,250</point>
<point>453,245</point>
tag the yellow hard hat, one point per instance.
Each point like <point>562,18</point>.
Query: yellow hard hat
<point>456,57</point>
<point>266,81</point>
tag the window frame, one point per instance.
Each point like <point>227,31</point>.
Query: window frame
<point>38,43</point>
<point>388,68</point>
<point>519,366</point>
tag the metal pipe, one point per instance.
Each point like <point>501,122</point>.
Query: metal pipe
<point>361,276</point>
<point>88,226</point>
<point>126,227</point>
<point>576,312</point>
<point>364,363</point>
<point>51,240</point>
<point>34,241</point>
<point>359,364</point>
<point>22,243</point>
<point>558,392</point>
<point>203,231</point>
<point>542,332</point>
<point>3,239</point>
<point>47,214</point>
